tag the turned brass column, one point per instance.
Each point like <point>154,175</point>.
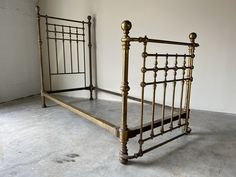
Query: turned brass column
<point>126,26</point>
<point>192,37</point>
<point>90,58</point>
<point>40,54</point>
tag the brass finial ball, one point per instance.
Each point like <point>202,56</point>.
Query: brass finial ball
<point>126,25</point>
<point>192,36</point>
<point>89,17</point>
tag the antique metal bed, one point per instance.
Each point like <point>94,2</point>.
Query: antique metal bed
<point>69,40</point>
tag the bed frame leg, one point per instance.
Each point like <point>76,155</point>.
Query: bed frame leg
<point>123,150</point>
<point>90,58</point>
<point>126,26</point>
<point>43,102</point>
<point>192,37</point>
<point>40,55</point>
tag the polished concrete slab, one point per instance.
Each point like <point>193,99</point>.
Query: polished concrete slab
<point>53,142</point>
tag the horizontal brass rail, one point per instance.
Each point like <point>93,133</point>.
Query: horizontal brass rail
<point>67,73</point>
<point>65,19</point>
<point>67,26</point>
<point>157,123</point>
<point>63,39</point>
<point>136,155</point>
<point>68,90</point>
<point>51,31</point>
<point>167,55</point>
<point>142,39</point>
<point>129,97</point>
<point>169,68</point>
<point>166,131</point>
<point>102,123</point>
<point>167,81</point>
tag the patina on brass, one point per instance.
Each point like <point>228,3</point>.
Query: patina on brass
<point>57,31</point>
<point>40,55</point>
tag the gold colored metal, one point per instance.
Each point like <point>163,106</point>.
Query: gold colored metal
<point>173,94</point>
<point>192,37</point>
<point>154,97</point>
<point>102,123</point>
<point>122,132</point>
<point>126,26</point>
<point>142,96</point>
<point>49,63</point>
<point>141,39</point>
<point>90,58</point>
<point>182,92</point>
<point>164,96</point>
<point>40,55</point>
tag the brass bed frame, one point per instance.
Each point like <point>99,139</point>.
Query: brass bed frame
<point>75,35</point>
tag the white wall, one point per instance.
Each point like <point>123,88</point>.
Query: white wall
<point>19,68</point>
<point>214,86</point>
<point>214,83</point>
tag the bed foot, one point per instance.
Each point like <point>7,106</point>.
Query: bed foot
<point>91,98</point>
<point>123,161</point>
<point>43,102</point>
<point>123,154</point>
<point>187,130</point>
<point>91,88</point>
<point>123,149</point>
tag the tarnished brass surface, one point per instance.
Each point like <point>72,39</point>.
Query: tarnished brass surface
<point>126,26</point>
<point>40,54</point>
<point>102,123</point>
<point>123,132</point>
<point>182,113</point>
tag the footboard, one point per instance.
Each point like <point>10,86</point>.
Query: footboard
<point>179,72</point>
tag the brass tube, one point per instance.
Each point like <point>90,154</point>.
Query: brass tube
<point>169,55</point>
<point>102,123</point>
<point>40,55</point>
<point>69,20</point>
<point>63,46</point>
<point>154,98</point>
<point>166,131</point>
<point>49,61</point>
<point>68,90</point>
<point>90,58</point>
<point>142,98</point>
<point>84,56</point>
<point>55,35</point>
<point>192,38</point>
<point>173,94</point>
<point>67,73</point>
<point>164,96</point>
<point>169,68</point>
<point>161,144</point>
<point>61,32</point>
<point>61,39</point>
<point>67,26</point>
<point>141,39</point>
<point>126,26</point>
<point>129,97</point>
<point>77,47</point>
<point>167,81</point>
<point>71,56</point>
<point>182,92</point>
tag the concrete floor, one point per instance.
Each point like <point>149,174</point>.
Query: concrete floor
<point>54,142</point>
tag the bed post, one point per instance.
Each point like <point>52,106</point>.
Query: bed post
<point>90,59</point>
<point>192,37</point>
<point>40,54</point>
<point>126,26</point>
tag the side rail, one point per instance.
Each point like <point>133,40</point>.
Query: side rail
<point>164,124</point>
